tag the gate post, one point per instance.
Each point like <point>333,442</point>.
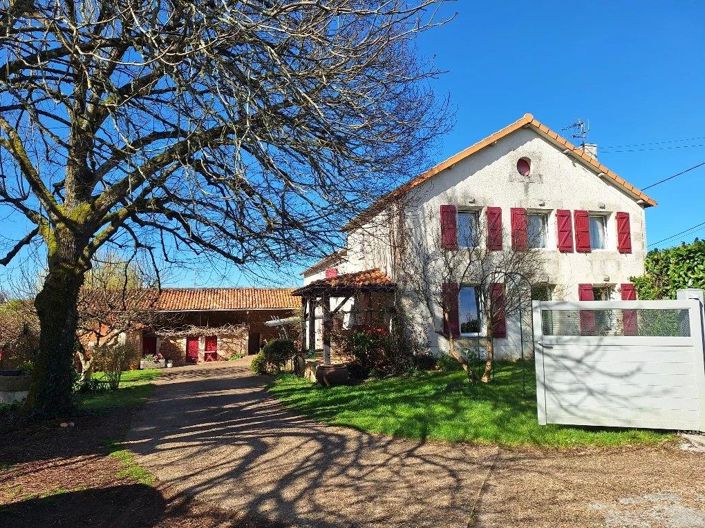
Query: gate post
<point>696,294</point>
<point>538,363</point>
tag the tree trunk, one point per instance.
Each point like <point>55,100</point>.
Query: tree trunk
<point>56,304</point>
<point>489,360</point>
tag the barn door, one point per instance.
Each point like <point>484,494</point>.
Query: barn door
<point>192,349</point>
<point>149,345</point>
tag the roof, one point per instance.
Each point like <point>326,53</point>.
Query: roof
<point>367,280</point>
<point>528,121</point>
<point>207,299</point>
<point>326,261</point>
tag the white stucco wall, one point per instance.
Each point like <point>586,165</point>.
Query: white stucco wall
<point>490,178</point>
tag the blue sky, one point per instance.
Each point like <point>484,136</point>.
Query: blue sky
<point>633,70</point>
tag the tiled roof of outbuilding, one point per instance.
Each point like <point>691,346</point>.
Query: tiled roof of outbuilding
<point>204,299</point>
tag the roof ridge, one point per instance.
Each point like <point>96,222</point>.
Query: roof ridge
<point>527,119</point>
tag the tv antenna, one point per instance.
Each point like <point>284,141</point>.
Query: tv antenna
<point>580,130</point>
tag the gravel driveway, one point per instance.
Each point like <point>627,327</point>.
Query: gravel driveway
<point>211,432</point>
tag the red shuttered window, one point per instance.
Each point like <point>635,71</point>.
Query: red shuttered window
<point>565,230</point>
<point>587,317</point>
<point>624,234</point>
<point>582,231</point>
<point>520,237</point>
<point>629,317</point>
<point>494,228</point>
<point>499,317</point>
<point>449,227</point>
<point>451,322</point>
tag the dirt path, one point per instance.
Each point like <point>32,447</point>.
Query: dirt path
<point>212,433</point>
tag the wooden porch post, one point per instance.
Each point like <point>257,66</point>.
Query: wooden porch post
<point>304,302</point>
<point>312,325</point>
<point>327,323</point>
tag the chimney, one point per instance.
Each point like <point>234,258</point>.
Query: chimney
<point>590,149</point>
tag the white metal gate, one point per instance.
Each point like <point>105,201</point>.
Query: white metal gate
<point>620,363</point>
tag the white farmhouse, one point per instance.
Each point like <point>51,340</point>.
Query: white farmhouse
<point>521,188</point>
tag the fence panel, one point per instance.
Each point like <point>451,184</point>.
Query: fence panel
<point>620,363</point>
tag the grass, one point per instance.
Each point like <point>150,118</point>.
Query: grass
<point>444,406</point>
<point>135,388</point>
<point>130,468</point>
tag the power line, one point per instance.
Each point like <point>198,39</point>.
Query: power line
<point>673,176</point>
<point>606,150</point>
<point>685,231</point>
<point>661,142</point>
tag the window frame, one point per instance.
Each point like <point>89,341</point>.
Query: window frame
<point>478,303</point>
<point>604,218</point>
<point>478,235</point>
<point>546,216</point>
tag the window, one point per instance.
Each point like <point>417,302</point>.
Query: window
<point>597,232</point>
<point>542,292</point>
<point>524,166</point>
<point>469,310</point>
<point>536,226</point>
<point>602,293</point>
<point>468,228</point>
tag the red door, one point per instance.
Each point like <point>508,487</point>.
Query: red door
<point>211,353</point>
<point>149,345</point>
<point>192,349</point>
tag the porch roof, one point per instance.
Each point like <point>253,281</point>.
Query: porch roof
<point>371,280</point>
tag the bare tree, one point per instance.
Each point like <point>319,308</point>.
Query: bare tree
<point>118,297</point>
<point>430,274</point>
<point>237,129</point>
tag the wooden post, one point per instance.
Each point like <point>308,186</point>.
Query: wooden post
<point>304,303</point>
<point>327,324</point>
<point>312,325</point>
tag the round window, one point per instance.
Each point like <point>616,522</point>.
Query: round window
<point>524,166</point>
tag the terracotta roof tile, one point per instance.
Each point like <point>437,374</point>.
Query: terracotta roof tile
<point>178,299</point>
<point>360,279</point>
<point>527,120</point>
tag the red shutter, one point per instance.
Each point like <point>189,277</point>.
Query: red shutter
<point>331,272</point>
<point>449,227</point>
<point>211,343</point>
<point>520,236</point>
<point>499,317</point>
<point>629,317</point>
<point>582,231</point>
<point>565,231</point>
<point>624,234</point>
<point>494,228</point>
<point>587,317</point>
<point>451,321</point>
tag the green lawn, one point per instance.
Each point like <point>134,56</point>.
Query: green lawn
<point>444,406</point>
<point>135,388</point>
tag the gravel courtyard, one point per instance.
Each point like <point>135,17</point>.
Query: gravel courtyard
<point>212,433</point>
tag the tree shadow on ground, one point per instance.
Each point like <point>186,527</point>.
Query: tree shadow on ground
<point>224,441</point>
<point>130,505</point>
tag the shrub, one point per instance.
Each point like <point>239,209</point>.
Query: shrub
<point>91,385</point>
<point>113,359</point>
<point>374,348</point>
<point>425,361</point>
<point>277,352</point>
<point>448,364</point>
<point>259,364</point>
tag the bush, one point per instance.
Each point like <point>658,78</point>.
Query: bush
<point>113,359</point>
<point>259,364</point>
<point>90,385</point>
<point>374,348</point>
<point>425,361</point>
<point>448,364</point>
<point>277,353</point>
